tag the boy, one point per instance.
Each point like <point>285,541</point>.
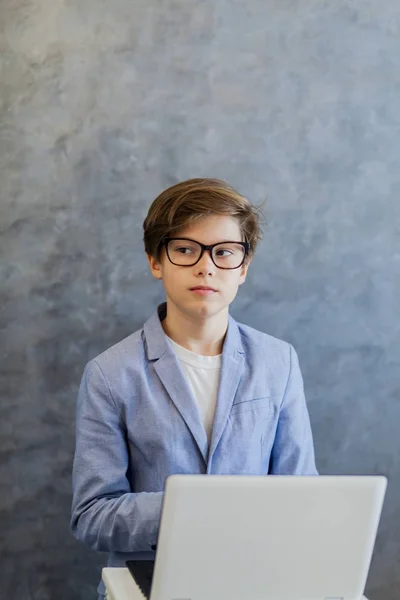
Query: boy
<point>191,392</point>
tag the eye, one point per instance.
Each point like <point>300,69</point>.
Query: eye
<point>221,252</point>
<point>184,250</point>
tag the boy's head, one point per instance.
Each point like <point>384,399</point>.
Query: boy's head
<point>183,218</point>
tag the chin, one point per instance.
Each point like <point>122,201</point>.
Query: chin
<point>206,309</point>
<point>199,308</point>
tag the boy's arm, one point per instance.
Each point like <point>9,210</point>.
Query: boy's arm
<point>106,515</point>
<point>293,449</point>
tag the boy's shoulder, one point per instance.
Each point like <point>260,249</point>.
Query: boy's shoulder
<point>259,340</point>
<point>125,352</point>
<point>265,351</point>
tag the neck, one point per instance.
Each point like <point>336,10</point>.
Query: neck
<point>205,336</point>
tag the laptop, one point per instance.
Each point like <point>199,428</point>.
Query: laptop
<point>228,537</point>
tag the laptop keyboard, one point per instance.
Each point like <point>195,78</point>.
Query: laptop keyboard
<point>142,572</point>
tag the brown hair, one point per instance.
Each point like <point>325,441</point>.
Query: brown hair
<point>189,200</point>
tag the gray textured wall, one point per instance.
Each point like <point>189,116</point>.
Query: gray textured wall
<point>102,105</point>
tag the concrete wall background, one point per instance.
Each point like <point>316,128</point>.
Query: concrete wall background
<point>102,105</point>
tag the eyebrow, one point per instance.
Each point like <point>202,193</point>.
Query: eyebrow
<point>225,241</point>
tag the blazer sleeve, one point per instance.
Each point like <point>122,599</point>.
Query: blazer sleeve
<point>293,449</point>
<point>106,514</point>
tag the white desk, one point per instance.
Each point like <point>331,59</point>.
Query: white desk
<point>120,585</point>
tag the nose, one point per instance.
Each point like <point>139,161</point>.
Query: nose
<point>205,266</point>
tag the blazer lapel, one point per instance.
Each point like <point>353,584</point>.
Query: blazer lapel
<point>231,373</point>
<point>173,379</point>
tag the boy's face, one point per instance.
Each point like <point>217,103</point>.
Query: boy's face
<point>182,283</point>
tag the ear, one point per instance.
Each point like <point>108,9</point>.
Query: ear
<point>155,266</point>
<point>243,270</point>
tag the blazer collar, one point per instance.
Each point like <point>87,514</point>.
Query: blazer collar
<point>157,343</point>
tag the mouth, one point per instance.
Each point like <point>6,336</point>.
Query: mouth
<point>203,290</point>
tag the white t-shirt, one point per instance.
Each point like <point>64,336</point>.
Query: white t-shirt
<point>202,374</point>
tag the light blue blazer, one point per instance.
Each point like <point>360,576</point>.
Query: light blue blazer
<point>137,423</point>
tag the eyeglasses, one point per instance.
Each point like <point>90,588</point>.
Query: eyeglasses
<point>185,252</point>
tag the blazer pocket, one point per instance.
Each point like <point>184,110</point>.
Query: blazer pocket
<point>260,403</point>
